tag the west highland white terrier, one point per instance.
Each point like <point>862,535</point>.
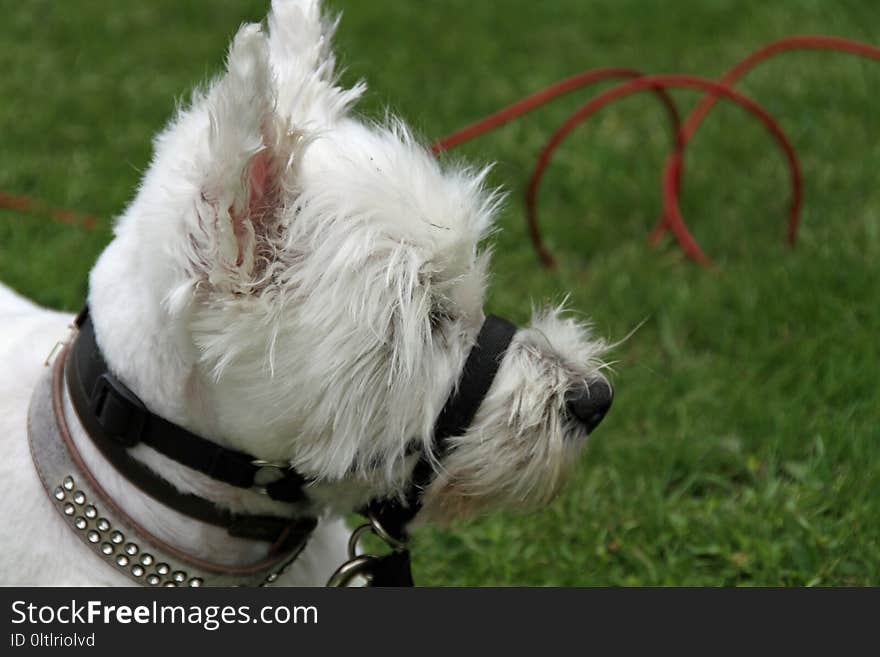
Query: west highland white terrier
<point>289,307</point>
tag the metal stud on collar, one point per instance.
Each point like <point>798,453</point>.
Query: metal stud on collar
<point>114,547</point>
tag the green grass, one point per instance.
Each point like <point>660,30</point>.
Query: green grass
<point>744,446</point>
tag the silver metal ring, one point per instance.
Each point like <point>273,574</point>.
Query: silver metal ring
<point>382,533</point>
<point>355,537</point>
<point>351,569</point>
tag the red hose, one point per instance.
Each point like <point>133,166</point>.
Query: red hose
<point>544,96</point>
<point>699,113</point>
<point>34,206</point>
<point>671,208</point>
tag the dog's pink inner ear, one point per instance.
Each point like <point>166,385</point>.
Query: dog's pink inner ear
<point>260,205</point>
<point>259,181</point>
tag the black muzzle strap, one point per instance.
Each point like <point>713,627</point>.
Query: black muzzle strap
<point>461,407</point>
<point>389,518</point>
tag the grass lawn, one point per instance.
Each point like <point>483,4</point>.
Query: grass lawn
<point>744,445</point>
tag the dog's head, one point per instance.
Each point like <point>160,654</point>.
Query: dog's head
<point>328,276</point>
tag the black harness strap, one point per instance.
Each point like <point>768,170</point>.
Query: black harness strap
<point>122,417</point>
<point>117,420</point>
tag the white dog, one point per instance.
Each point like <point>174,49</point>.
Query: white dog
<point>299,286</point>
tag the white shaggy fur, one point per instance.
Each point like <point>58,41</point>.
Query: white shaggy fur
<point>303,286</point>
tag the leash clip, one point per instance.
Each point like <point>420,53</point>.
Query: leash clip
<point>388,570</point>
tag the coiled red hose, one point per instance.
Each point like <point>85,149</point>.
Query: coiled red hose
<point>673,173</point>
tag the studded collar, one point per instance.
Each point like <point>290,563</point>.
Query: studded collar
<point>101,524</point>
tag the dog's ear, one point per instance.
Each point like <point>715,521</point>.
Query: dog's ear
<point>242,159</point>
<point>304,65</point>
<point>277,91</point>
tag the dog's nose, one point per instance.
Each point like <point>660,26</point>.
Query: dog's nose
<point>588,405</point>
